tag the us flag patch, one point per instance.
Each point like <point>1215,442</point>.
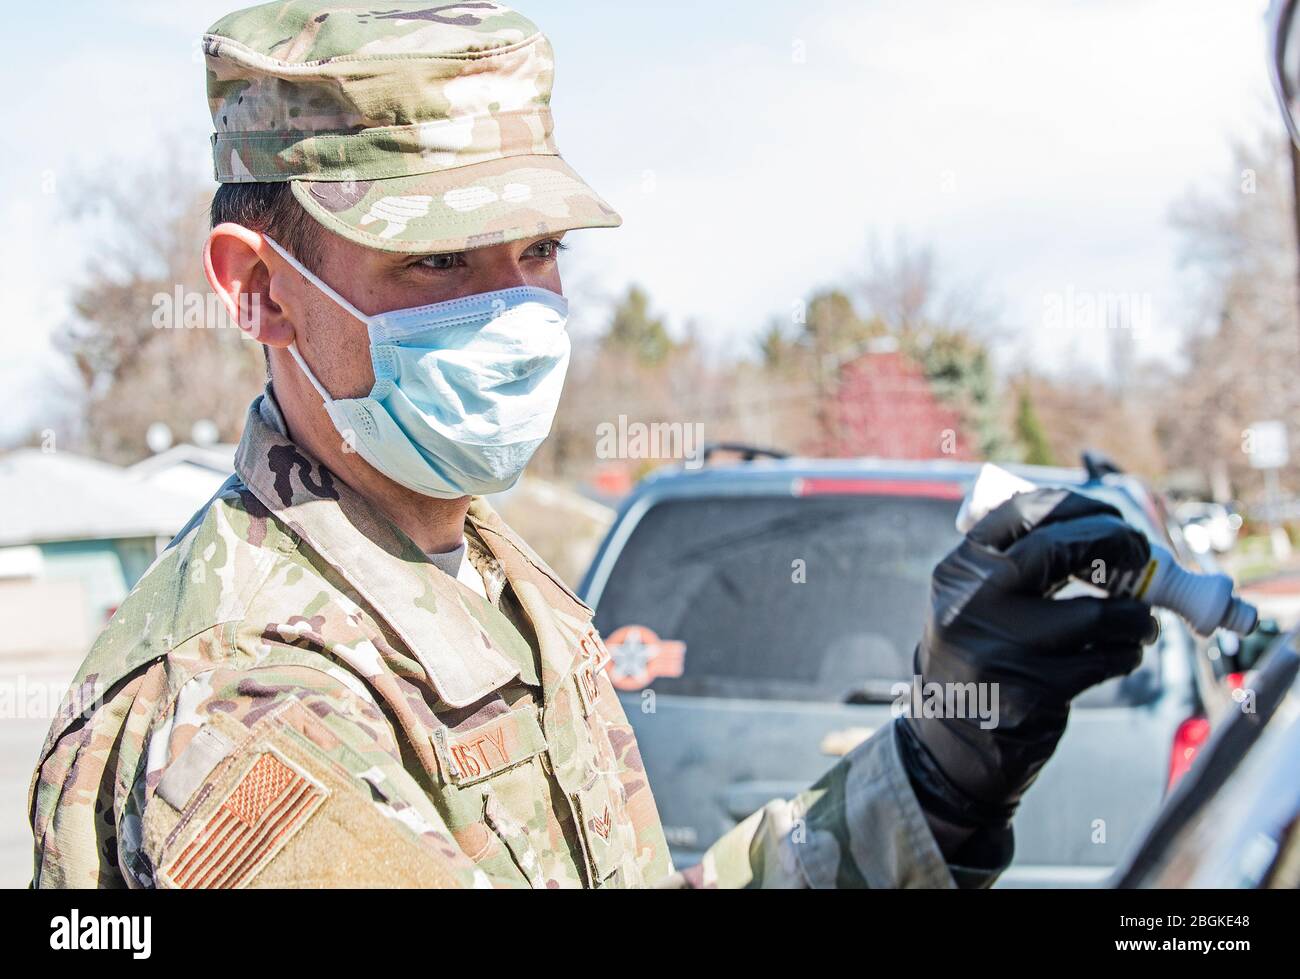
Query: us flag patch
<point>271,801</point>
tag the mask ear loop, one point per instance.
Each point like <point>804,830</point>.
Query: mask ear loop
<point>302,366</point>
<point>325,288</point>
<point>311,277</point>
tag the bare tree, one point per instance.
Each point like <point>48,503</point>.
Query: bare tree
<point>149,342</point>
<point>1242,349</point>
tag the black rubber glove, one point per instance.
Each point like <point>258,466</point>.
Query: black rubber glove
<point>991,622</point>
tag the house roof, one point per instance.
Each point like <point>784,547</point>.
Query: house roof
<point>60,496</point>
<point>219,458</point>
<point>195,472</point>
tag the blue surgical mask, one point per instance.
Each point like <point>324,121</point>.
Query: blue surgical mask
<point>465,390</point>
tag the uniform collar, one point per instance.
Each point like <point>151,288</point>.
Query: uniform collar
<point>466,652</point>
<point>519,561</point>
<point>559,618</point>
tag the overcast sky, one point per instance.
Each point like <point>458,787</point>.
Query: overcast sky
<point>753,148</point>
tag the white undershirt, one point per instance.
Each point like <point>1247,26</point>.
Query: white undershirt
<point>457,564</point>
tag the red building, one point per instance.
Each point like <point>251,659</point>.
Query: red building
<point>884,406</point>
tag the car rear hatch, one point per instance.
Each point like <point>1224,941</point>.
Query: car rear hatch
<point>757,637</point>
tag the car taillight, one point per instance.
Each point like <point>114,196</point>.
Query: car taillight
<point>1189,737</point>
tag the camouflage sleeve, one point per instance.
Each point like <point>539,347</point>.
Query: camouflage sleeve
<point>858,826</point>
<point>283,776</point>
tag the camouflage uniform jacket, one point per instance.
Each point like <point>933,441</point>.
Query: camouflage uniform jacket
<point>293,695</point>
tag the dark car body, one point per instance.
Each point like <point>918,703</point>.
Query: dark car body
<point>1234,820</point>
<point>789,595</point>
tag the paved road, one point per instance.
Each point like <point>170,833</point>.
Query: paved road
<point>30,690</point>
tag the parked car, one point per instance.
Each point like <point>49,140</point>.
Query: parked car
<point>1234,821</point>
<point>760,616</point>
<point>1209,526</point>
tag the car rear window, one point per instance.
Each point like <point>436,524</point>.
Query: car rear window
<point>721,576</point>
<point>782,597</point>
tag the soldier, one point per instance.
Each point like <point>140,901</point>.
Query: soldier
<point>347,670</point>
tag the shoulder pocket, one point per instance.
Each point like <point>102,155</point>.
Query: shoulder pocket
<point>281,811</point>
<point>228,805</point>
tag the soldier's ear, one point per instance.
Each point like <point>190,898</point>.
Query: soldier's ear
<point>243,272</point>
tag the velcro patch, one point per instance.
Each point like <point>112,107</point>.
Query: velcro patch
<point>184,776</point>
<point>266,807</point>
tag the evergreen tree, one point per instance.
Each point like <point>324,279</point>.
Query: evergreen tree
<point>633,330</point>
<point>958,366</point>
<point>1030,433</point>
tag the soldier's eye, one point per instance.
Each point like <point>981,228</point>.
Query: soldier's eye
<point>444,261</point>
<point>549,248</point>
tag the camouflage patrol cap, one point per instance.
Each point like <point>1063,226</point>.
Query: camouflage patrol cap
<point>400,125</point>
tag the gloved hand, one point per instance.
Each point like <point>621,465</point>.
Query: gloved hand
<point>990,622</point>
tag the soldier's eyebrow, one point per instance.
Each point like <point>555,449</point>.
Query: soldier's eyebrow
<point>402,259</point>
